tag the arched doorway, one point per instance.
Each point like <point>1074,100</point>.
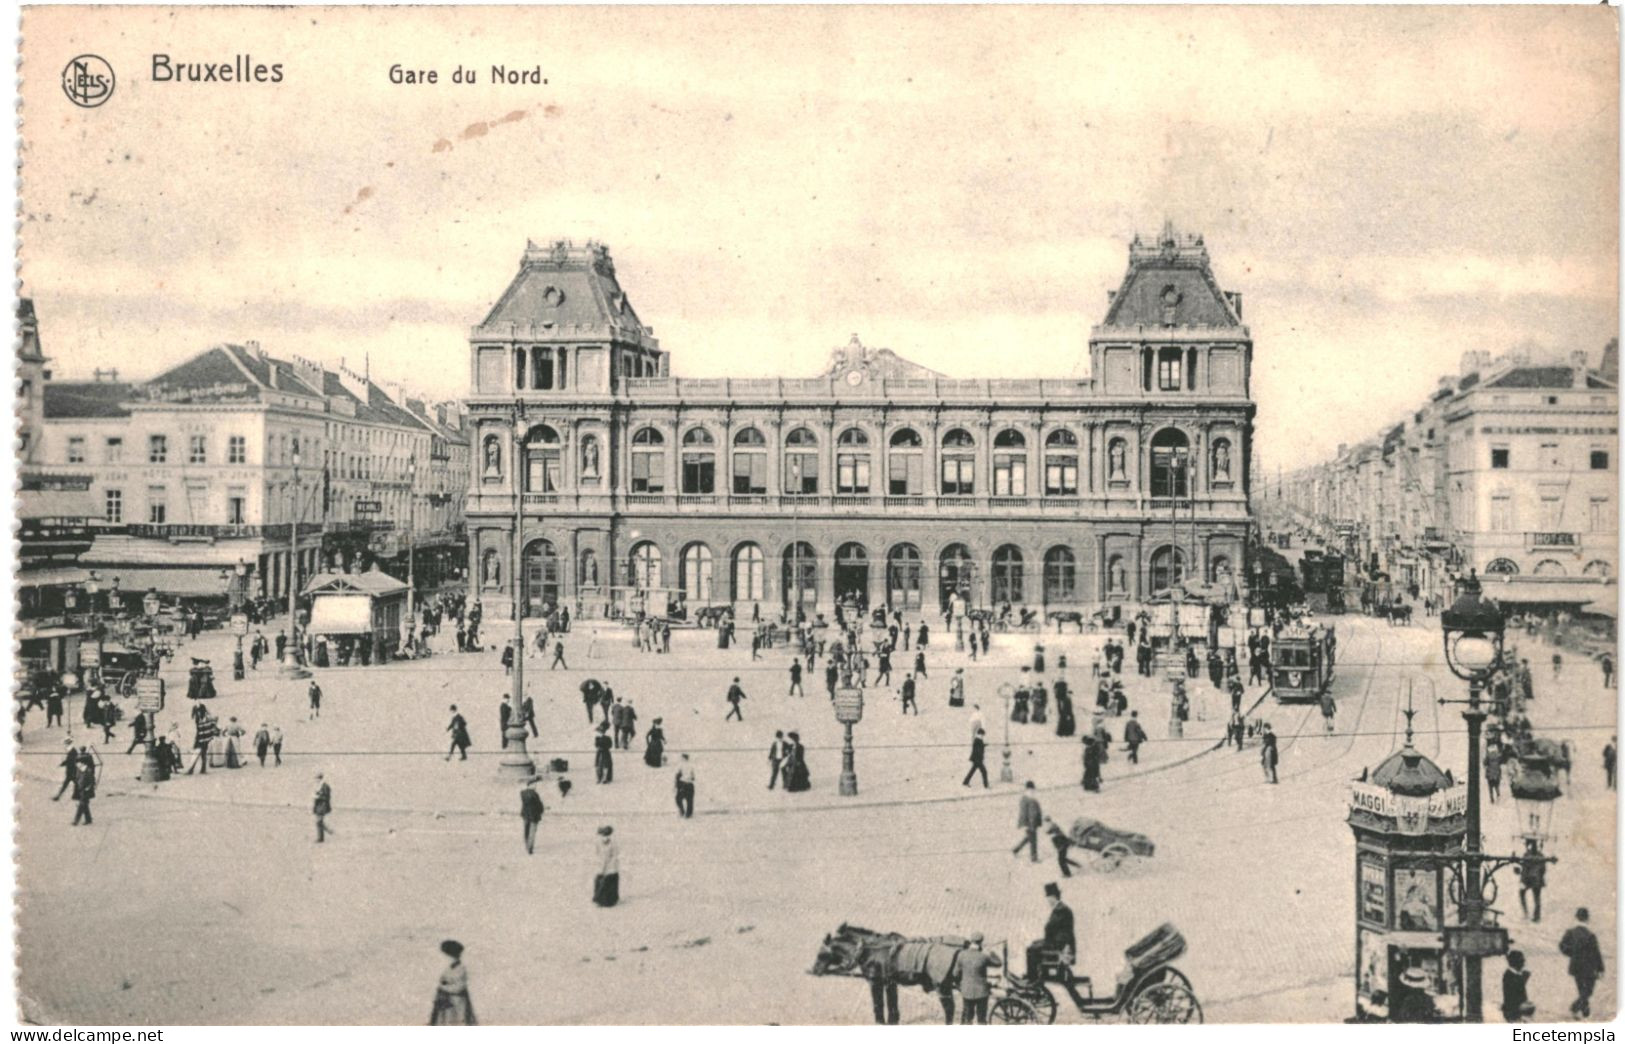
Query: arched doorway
<point>903,575</point>
<point>541,578</point>
<point>955,572</point>
<point>750,573</point>
<point>1167,568</point>
<point>696,570</point>
<point>1009,576</point>
<point>852,574</point>
<point>1170,464</point>
<point>800,577</point>
<point>1060,576</point>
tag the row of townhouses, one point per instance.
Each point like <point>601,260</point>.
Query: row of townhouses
<point>1509,469</point>
<point>204,481</point>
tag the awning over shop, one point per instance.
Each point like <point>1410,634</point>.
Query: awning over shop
<point>1549,592</point>
<point>55,576</point>
<point>110,552</point>
<point>57,503</point>
<point>371,583</point>
<point>203,582</point>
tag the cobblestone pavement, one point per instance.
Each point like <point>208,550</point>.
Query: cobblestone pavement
<point>208,903</point>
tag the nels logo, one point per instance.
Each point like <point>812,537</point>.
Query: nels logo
<point>88,81</point>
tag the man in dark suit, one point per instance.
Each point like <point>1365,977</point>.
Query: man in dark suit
<point>1579,945</point>
<point>530,810</point>
<point>978,752</point>
<point>775,758</point>
<point>1058,941</point>
<point>1029,818</point>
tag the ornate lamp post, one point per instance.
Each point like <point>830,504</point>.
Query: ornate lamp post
<point>516,761</point>
<point>849,711</point>
<point>1006,773</point>
<point>293,667</point>
<point>411,545</point>
<point>1473,634</point>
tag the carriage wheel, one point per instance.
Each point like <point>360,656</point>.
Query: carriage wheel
<point>1114,855</point>
<point>1012,1010</point>
<point>126,686</point>
<point>1164,1002</point>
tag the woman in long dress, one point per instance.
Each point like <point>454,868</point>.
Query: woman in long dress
<point>606,886</point>
<point>799,779</point>
<point>655,751</point>
<point>1065,723</point>
<point>451,1004</point>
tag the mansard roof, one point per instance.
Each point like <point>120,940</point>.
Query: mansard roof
<point>70,399</point>
<point>1542,377</point>
<point>1170,284</point>
<point>565,286</point>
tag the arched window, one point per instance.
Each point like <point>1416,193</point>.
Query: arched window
<point>955,571</point>
<point>801,463</point>
<point>852,574</point>
<point>1170,464</point>
<point>1060,576</point>
<point>1061,464</point>
<point>1010,464</point>
<point>750,463</point>
<point>1167,568</point>
<point>645,563</point>
<point>493,459</point>
<point>1170,369</point>
<point>648,461</point>
<point>1502,567</point>
<point>699,462</point>
<point>958,464</point>
<point>696,569</point>
<point>905,464</point>
<point>1550,567</point>
<point>1221,461</point>
<point>903,577</point>
<point>1117,461</point>
<point>800,576</point>
<point>852,462</point>
<point>1598,568</point>
<point>542,460</point>
<point>1009,579</point>
<point>749,573</point>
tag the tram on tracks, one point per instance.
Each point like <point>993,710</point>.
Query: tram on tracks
<point>1302,662</point>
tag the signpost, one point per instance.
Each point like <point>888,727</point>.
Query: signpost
<point>368,507</point>
<point>848,711</point>
<point>149,700</point>
<point>239,624</point>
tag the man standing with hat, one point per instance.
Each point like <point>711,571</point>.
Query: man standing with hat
<point>321,807</point>
<point>530,810</point>
<point>1058,941</point>
<point>973,986</point>
<point>1579,945</point>
<point>1029,818</point>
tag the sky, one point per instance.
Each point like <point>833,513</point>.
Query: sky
<point>1387,188</point>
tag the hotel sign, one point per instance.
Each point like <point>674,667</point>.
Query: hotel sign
<point>1503,430</point>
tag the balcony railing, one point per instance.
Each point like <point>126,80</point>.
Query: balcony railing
<point>956,502</point>
<point>747,500</point>
<point>695,499</point>
<point>852,500</point>
<point>903,502</point>
<point>1009,502</point>
<point>1554,540</point>
<point>211,531</point>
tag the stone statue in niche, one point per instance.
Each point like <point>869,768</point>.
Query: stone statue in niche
<point>493,458</point>
<point>1221,460</point>
<point>589,457</point>
<point>589,569</point>
<point>1115,455</point>
<point>493,570</point>
<point>1116,579</point>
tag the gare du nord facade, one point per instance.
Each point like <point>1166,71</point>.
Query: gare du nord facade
<point>878,481</point>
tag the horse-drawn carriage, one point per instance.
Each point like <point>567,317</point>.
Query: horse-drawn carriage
<point>1148,989</point>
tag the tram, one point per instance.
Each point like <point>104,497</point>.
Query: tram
<point>1302,661</point>
<point>1322,571</point>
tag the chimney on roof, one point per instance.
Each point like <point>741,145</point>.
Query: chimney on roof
<point>110,376</point>
<point>1609,370</point>
<point>1580,362</point>
<point>1111,296</point>
<point>254,348</point>
<point>1234,297</point>
<point>1473,362</point>
<point>274,374</point>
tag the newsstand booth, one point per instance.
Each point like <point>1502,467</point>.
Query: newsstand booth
<point>1405,818</point>
<point>367,606</point>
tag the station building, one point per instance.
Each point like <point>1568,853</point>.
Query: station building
<point>878,478</point>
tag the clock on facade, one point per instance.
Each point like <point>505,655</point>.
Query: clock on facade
<point>855,377</point>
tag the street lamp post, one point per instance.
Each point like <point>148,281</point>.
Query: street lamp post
<point>849,711</point>
<point>292,667</point>
<point>516,760</point>
<point>411,545</point>
<point>1007,774</point>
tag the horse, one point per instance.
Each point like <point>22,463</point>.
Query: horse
<point>1061,617</point>
<point>1398,614</point>
<point>888,960</point>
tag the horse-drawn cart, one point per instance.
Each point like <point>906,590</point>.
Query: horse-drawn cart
<point>1115,847</point>
<point>1148,989</point>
